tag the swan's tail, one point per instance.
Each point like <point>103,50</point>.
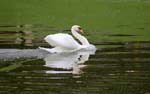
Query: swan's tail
<point>46,49</point>
<point>52,50</point>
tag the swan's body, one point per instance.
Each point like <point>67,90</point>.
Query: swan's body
<point>66,43</point>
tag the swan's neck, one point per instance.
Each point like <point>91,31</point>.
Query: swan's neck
<point>81,38</point>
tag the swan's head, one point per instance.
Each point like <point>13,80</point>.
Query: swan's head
<point>77,28</point>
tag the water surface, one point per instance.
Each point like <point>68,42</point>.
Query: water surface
<point>117,67</point>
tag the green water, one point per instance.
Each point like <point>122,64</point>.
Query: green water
<point>96,16</point>
<point>120,30</point>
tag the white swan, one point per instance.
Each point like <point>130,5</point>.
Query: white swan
<point>66,43</point>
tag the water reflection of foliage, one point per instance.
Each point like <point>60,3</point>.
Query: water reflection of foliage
<point>24,37</point>
<point>14,65</point>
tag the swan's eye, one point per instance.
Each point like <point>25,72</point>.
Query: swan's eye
<point>80,28</point>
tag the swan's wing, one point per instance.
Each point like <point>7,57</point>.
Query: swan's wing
<point>62,40</point>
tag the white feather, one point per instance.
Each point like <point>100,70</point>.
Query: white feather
<point>66,43</point>
<point>62,40</point>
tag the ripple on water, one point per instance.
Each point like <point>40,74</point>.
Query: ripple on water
<point>116,67</point>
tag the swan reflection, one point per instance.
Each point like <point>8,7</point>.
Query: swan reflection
<point>68,62</point>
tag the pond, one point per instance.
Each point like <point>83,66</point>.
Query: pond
<point>120,30</point>
<point>115,68</point>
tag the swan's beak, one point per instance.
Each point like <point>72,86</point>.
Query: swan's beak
<point>81,31</point>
